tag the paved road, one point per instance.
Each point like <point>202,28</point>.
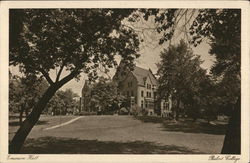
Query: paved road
<point>127,129</point>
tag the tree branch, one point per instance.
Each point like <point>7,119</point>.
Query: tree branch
<point>46,75</point>
<point>59,73</point>
<point>68,77</point>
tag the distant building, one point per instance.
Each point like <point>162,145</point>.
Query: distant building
<point>140,87</point>
<point>86,97</point>
<point>76,109</point>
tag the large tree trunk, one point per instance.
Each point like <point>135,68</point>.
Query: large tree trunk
<point>31,120</point>
<point>232,141</point>
<point>33,117</point>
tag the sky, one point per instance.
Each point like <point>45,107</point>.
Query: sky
<point>147,60</point>
<point>149,54</point>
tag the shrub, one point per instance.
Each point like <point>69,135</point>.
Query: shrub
<point>86,113</point>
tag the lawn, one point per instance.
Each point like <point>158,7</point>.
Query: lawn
<point>55,145</point>
<point>119,135</point>
<point>187,125</point>
<point>44,122</point>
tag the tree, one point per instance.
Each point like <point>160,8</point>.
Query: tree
<point>105,96</point>
<point>75,40</point>
<point>24,93</point>
<point>180,77</point>
<point>210,100</point>
<point>62,103</point>
<point>14,92</point>
<point>223,28</point>
<point>55,106</point>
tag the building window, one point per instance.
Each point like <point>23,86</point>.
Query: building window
<point>127,93</point>
<point>132,102</point>
<point>165,106</point>
<point>142,103</point>
<point>148,86</point>
<point>149,94</point>
<point>129,84</point>
<point>146,104</point>
<point>155,95</point>
<point>142,94</point>
<point>132,93</point>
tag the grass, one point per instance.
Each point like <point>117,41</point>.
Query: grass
<point>17,123</point>
<point>55,145</point>
<point>195,127</point>
<point>151,119</point>
<point>121,135</point>
<point>44,122</point>
<point>186,125</point>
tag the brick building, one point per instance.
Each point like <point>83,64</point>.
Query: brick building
<point>140,87</point>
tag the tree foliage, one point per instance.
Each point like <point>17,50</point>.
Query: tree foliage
<point>105,96</point>
<point>24,92</point>
<point>181,76</point>
<point>78,40</point>
<point>63,103</point>
<point>75,40</point>
<point>222,29</point>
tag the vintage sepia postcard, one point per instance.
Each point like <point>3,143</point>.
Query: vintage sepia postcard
<point>124,81</point>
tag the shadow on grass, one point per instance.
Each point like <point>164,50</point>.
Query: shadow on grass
<point>16,123</point>
<point>54,145</point>
<point>151,119</point>
<point>195,127</point>
<point>185,125</point>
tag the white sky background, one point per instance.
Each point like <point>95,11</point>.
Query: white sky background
<point>150,55</point>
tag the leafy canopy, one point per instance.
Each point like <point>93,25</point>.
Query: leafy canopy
<point>180,72</point>
<point>24,92</point>
<point>223,29</point>
<point>75,39</point>
<point>105,95</point>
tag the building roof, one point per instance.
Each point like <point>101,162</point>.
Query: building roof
<point>142,74</point>
<point>139,73</point>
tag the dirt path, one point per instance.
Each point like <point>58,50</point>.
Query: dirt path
<point>63,124</point>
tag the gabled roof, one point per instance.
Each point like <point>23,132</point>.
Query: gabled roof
<point>139,73</point>
<point>142,74</point>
